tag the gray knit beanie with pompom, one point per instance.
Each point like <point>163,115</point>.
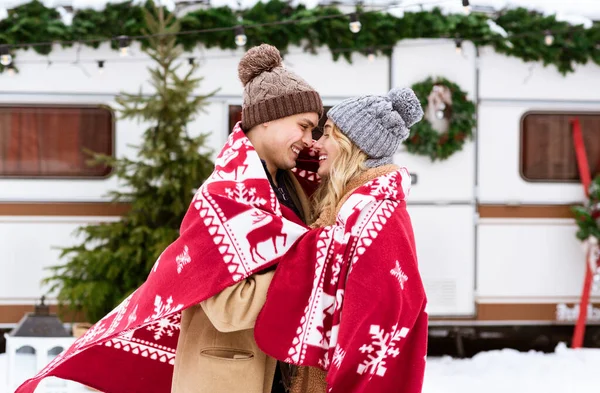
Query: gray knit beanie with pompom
<point>272,92</point>
<point>378,124</point>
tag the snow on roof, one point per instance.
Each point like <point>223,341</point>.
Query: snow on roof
<point>572,11</point>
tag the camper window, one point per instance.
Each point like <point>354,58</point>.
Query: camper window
<point>50,141</point>
<point>547,149</point>
<point>235,115</point>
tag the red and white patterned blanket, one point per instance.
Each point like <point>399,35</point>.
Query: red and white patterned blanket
<point>235,227</point>
<point>348,298</point>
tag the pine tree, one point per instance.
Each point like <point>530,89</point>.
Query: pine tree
<point>115,258</point>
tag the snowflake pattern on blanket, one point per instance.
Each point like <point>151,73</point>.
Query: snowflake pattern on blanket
<point>235,227</point>
<point>232,229</point>
<point>359,310</point>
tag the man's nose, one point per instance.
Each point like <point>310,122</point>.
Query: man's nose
<point>307,139</point>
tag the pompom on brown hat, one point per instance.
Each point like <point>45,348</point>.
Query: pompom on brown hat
<point>270,91</point>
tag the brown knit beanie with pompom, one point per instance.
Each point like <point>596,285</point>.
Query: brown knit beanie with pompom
<point>270,91</point>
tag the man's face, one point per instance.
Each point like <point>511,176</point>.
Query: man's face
<point>286,137</point>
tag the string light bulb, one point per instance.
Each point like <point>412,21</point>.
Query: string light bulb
<point>240,36</point>
<point>100,66</point>
<point>370,55</point>
<point>466,6</point>
<point>123,45</point>
<point>5,57</point>
<point>355,24</point>
<point>11,69</point>
<point>458,43</point>
<point>549,38</point>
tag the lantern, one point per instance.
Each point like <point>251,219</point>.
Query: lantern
<point>43,333</point>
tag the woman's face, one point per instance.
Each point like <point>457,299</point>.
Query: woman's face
<point>328,149</point>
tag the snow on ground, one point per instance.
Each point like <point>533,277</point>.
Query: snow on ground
<point>26,364</point>
<point>502,371</point>
<point>564,371</point>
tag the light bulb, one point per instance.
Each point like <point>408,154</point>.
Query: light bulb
<point>370,55</point>
<point>6,60</point>
<point>11,70</point>
<point>241,39</point>
<point>240,36</point>
<point>355,24</point>
<point>5,57</point>
<point>549,39</point>
<point>123,45</point>
<point>466,6</point>
<point>458,46</point>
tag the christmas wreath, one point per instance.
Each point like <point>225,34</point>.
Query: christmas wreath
<point>449,119</point>
<point>588,216</point>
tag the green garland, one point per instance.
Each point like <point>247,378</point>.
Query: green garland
<point>424,140</point>
<point>588,216</point>
<point>33,22</point>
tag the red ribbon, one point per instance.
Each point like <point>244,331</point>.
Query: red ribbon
<point>586,179</point>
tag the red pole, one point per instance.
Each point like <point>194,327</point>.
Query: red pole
<point>586,179</point>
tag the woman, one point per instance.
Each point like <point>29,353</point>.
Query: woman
<point>347,298</point>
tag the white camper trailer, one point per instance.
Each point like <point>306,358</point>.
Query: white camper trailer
<point>495,235</point>
<point>496,241</point>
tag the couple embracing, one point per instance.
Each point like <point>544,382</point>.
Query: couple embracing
<point>295,270</point>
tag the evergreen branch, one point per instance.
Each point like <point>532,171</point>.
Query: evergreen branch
<point>114,258</point>
<point>278,23</point>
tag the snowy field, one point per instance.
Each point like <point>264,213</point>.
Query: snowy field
<point>26,363</point>
<point>507,370</point>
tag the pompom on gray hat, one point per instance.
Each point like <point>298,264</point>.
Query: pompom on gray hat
<point>378,124</point>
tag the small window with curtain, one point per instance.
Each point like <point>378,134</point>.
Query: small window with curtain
<point>547,147</point>
<point>52,141</point>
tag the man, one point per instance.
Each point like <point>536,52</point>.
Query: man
<point>216,351</point>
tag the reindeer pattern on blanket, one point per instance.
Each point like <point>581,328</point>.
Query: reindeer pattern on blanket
<point>233,228</point>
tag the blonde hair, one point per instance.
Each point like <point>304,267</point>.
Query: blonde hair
<point>348,163</point>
